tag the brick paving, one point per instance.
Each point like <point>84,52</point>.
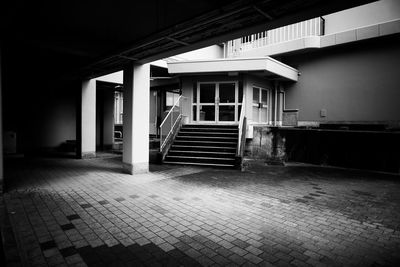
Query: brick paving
<point>67,212</point>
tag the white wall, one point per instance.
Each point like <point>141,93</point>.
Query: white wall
<point>373,13</point>
<point>88,119</point>
<point>187,91</point>
<point>115,77</point>
<point>210,52</point>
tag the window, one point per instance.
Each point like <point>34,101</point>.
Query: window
<point>118,107</point>
<point>170,99</point>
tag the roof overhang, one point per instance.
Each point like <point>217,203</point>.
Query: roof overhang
<point>266,65</point>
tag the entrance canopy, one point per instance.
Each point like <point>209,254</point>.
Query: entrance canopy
<point>264,65</point>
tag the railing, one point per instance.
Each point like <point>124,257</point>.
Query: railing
<point>170,122</point>
<point>242,130</point>
<point>311,27</point>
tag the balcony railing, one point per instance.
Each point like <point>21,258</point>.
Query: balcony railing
<point>312,27</point>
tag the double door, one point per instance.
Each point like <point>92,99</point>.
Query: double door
<point>260,104</point>
<point>216,102</point>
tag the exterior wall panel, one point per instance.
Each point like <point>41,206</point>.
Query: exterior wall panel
<point>353,83</point>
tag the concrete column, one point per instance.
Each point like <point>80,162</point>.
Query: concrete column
<point>108,119</point>
<point>136,118</point>
<point>1,131</point>
<point>88,119</point>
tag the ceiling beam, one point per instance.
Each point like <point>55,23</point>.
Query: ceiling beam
<point>266,15</point>
<point>129,58</point>
<point>176,40</point>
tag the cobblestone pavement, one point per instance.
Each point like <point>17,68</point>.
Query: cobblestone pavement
<point>88,213</point>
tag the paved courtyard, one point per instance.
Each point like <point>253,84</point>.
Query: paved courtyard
<point>68,212</point>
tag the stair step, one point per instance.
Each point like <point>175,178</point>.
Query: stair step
<point>230,130</point>
<point>205,158</point>
<point>200,159</point>
<point>206,138</point>
<point>209,126</point>
<point>193,153</point>
<point>191,133</point>
<point>201,164</point>
<point>204,148</point>
<point>204,145</point>
<point>197,143</point>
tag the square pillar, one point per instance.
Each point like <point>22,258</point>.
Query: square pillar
<point>108,119</point>
<point>1,131</point>
<point>88,119</point>
<point>135,155</point>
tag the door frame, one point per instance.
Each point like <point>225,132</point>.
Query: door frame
<point>216,103</point>
<point>268,108</point>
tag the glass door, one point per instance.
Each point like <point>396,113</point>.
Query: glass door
<point>207,102</point>
<point>216,102</point>
<point>260,105</point>
<point>227,102</point>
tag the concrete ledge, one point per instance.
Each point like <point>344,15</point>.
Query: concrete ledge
<point>265,64</point>
<point>367,32</point>
<point>346,37</point>
<point>137,168</point>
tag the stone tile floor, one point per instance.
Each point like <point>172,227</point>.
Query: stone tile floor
<point>67,212</point>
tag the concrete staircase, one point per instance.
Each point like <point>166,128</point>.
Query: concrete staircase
<point>207,145</point>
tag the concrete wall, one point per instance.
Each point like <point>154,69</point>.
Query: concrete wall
<point>352,83</point>
<point>373,13</point>
<point>49,119</point>
<point>358,149</point>
<point>39,105</point>
<point>210,52</point>
<point>115,77</point>
<point>104,118</point>
<point>260,146</point>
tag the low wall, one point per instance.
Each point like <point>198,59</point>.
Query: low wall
<point>260,146</point>
<point>371,150</point>
<point>267,143</point>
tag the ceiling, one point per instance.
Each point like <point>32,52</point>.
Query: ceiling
<point>90,38</point>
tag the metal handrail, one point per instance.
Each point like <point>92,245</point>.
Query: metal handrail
<point>242,124</point>
<point>173,123</point>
